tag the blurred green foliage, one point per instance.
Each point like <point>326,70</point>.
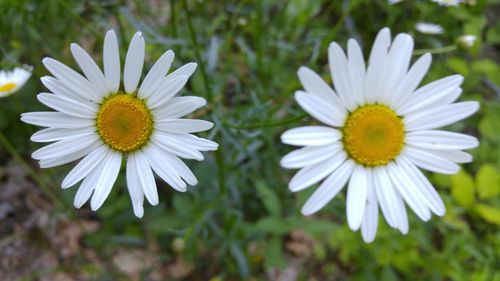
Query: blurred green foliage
<point>241,222</point>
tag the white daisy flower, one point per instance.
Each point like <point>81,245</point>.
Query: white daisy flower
<point>379,129</point>
<point>429,28</point>
<point>467,40</point>
<point>104,124</point>
<point>448,3</point>
<point>11,81</point>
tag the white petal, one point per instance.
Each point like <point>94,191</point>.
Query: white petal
<point>309,155</point>
<point>146,177</point>
<point>317,108</point>
<point>65,158</point>
<point>55,120</point>
<point>439,116</point>
<point>398,61</point>
<point>155,75</point>
<point>111,61</point>
<point>169,87</point>
<point>408,191</point>
<point>430,161</point>
<point>356,197</point>
<point>411,80</point>
<point>68,105</point>
<point>55,134</point>
<point>134,61</point>
<point>85,166</point>
<point>339,70</point>
<point>86,188</point>
<point>328,189</point>
<point>58,88</point>
<point>430,93</point>
<point>170,143</point>
<point>357,71</point>
<point>315,85</point>
<point>185,70</point>
<point>183,125</point>
<point>197,143</point>
<point>433,200</point>
<point>377,61</point>
<point>311,135</point>
<point>89,68</point>
<point>178,107</point>
<point>370,218</point>
<point>387,196</point>
<point>312,174</point>
<point>435,139</point>
<point>181,168</point>
<point>164,168</point>
<point>65,146</point>
<point>455,156</point>
<point>109,172</point>
<point>72,79</point>
<point>135,189</point>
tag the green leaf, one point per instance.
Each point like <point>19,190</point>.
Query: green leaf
<point>488,213</point>
<point>458,65</point>
<point>462,188</point>
<point>273,225</point>
<point>274,253</point>
<point>487,181</point>
<point>269,199</point>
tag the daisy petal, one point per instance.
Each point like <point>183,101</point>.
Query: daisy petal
<point>134,61</point>
<point>111,62</point>
<point>68,105</point>
<point>183,125</point>
<point>56,134</point>
<point>357,71</point>
<point>68,157</point>
<point>339,69</point>
<point>356,197</point>
<point>65,146</point>
<point>376,64</point>
<point>89,68</point>
<point>135,189</point>
<point>455,156</point>
<point>179,107</point>
<point>439,116</point>
<point>155,75</point>
<point>312,174</point>
<point>182,169</point>
<point>411,80</point>
<point>58,88</point>
<point>430,161</point>
<point>146,177</point>
<point>86,188</point>
<point>328,189</point>
<point>435,139</point>
<point>370,218</point>
<point>311,135</point>
<point>387,196</point>
<point>168,88</point>
<point>108,174</point>
<point>170,143</point>
<point>56,120</point>
<point>408,191</point>
<point>85,166</point>
<point>72,79</point>
<point>309,155</point>
<point>164,168</point>
<point>197,143</point>
<point>317,108</point>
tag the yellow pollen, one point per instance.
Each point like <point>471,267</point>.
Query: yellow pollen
<point>373,135</point>
<point>124,122</point>
<point>7,87</point>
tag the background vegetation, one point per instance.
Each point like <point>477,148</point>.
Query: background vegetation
<point>241,222</point>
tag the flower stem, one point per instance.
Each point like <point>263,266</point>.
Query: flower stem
<point>440,50</point>
<point>29,170</point>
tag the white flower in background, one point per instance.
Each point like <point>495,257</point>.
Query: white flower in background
<point>97,120</point>
<point>11,81</point>
<point>380,128</point>
<point>448,3</point>
<point>429,28</point>
<point>392,2</point>
<point>467,40</point>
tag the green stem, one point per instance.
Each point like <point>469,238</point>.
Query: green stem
<point>267,125</point>
<point>8,146</point>
<point>219,159</point>
<point>440,50</point>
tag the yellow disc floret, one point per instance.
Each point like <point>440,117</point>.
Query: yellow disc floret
<point>7,87</point>
<point>124,122</point>
<point>373,135</point>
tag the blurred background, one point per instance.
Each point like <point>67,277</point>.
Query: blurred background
<point>240,222</point>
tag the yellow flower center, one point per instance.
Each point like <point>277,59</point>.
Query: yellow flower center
<point>373,135</point>
<point>7,87</point>
<point>124,122</point>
